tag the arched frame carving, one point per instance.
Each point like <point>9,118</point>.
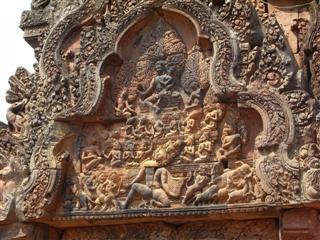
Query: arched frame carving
<point>244,160</point>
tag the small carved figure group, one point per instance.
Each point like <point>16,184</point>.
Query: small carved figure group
<point>151,144</point>
<point>158,187</point>
<point>96,192</point>
<point>218,186</point>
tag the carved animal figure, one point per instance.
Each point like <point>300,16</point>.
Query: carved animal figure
<point>200,181</point>
<point>159,185</point>
<point>236,185</point>
<point>150,191</point>
<point>209,196</point>
<point>231,187</point>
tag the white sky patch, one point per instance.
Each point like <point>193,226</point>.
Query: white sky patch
<point>14,50</point>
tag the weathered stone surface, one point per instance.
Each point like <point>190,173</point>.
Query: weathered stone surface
<point>253,230</point>
<point>300,224</point>
<point>165,111</point>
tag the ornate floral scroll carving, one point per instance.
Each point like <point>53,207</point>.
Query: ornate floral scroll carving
<point>309,158</point>
<point>313,46</point>
<point>47,165</point>
<point>279,128</point>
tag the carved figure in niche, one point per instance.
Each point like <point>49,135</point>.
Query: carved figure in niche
<point>107,189</point>
<point>69,56</point>
<point>309,156</point>
<point>259,194</point>
<point>159,185</point>
<point>124,105</point>
<point>90,156</point>
<point>128,155</point>
<point>15,116</point>
<point>204,149</point>
<point>75,66</point>
<point>115,155</point>
<point>161,85</point>
<point>231,143</point>
<point>300,27</point>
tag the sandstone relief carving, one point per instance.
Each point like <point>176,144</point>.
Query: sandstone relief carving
<point>146,107</point>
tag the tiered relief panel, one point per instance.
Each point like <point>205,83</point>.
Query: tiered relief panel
<point>194,114</point>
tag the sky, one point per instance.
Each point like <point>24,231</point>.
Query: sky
<point>14,51</point>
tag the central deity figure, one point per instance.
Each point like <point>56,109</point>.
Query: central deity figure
<point>160,86</point>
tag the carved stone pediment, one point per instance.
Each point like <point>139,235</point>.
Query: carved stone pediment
<point>163,109</point>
